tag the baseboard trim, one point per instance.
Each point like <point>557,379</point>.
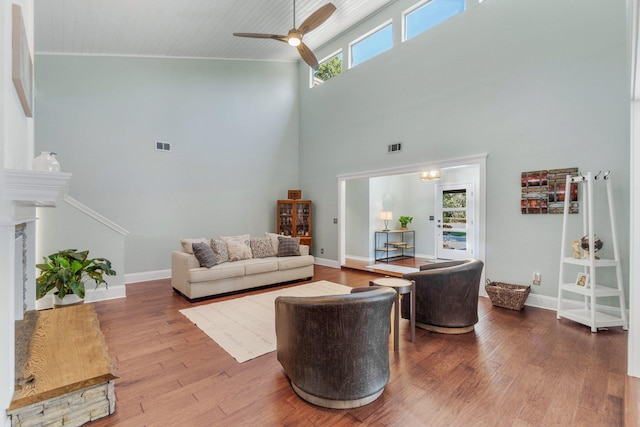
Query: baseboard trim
<point>326,262</point>
<point>91,295</point>
<point>147,276</point>
<point>551,303</point>
<point>359,258</point>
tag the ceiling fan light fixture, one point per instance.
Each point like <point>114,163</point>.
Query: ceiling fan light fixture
<point>293,38</point>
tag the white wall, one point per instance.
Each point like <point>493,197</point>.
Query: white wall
<point>233,126</point>
<point>486,81</point>
<point>16,146</point>
<point>357,219</point>
<point>633,355</point>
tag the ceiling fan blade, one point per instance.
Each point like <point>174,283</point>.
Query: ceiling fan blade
<point>317,18</point>
<point>308,56</point>
<point>262,36</point>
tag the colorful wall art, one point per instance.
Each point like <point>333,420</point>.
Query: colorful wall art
<point>544,192</point>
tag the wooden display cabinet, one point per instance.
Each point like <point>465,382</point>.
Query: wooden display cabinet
<point>293,218</point>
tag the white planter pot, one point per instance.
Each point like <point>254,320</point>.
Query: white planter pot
<point>69,299</point>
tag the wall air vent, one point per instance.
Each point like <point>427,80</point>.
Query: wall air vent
<point>163,146</point>
<point>394,148</point>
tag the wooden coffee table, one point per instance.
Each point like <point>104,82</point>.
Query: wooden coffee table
<point>401,286</point>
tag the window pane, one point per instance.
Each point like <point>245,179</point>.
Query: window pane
<point>372,45</point>
<point>327,69</point>
<point>454,199</point>
<point>454,240</point>
<point>431,14</point>
<point>454,219</point>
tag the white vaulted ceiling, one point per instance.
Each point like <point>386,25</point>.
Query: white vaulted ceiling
<point>186,28</point>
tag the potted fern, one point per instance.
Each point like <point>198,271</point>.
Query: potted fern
<point>66,271</point>
<point>404,221</point>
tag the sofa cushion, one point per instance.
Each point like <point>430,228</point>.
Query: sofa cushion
<point>257,266</point>
<point>288,246</point>
<point>204,254</point>
<point>187,244</point>
<point>294,262</point>
<point>261,247</point>
<point>220,271</point>
<point>238,247</point>
<point>220,249</point>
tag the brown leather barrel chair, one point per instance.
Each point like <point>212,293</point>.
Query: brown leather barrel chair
<point>335,349</point>
<point>446,296</point>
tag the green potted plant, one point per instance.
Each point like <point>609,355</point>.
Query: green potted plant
<point>404,221</point>
<point>67,270</point>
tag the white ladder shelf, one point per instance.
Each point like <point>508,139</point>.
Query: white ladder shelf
<point>589,313</point>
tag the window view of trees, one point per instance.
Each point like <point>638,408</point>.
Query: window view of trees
<point>454,199</point>
<point>328,69</point>
<point>454,205</point>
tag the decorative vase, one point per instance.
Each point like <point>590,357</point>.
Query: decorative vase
<point>597,245</point>
<point>46,161</point>
<point>69,299</point>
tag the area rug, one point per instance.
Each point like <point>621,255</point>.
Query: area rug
<point>393,268</point>
<point>245,327</point>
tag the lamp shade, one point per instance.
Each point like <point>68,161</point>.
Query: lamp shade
<point>430,175</point>
<point>386,215</point>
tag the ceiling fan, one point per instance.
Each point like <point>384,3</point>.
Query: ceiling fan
<point>294,37</point>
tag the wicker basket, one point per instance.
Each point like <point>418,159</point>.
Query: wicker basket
<point>507,295</point>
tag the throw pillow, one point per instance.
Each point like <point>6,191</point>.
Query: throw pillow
<point>187,244</point>
<point>288,246</point>
<point>238,247</point>
<point>205,254</point>
<point>274,240</point>
<point>220,249</point>
<point>261,247</point>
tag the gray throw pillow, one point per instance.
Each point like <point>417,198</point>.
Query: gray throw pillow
<point>204,254</point>
<point>288,246</point>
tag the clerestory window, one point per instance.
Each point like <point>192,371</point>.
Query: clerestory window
<point>428,14</point>
<point>372,44</point>
<point>327,69</point>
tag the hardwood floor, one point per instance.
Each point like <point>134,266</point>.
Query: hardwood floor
<point>516,369</point>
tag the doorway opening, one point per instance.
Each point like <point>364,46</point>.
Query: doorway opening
<point>363,196</point>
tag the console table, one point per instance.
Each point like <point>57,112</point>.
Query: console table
<point>394,244</point>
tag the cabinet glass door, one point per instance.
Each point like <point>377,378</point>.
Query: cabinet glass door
<point>303,225</point>
<point>286,218</point>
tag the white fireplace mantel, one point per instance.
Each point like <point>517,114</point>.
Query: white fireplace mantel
<point>35,188</point>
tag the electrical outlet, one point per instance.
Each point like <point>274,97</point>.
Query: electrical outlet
<point>536,278</point>
<point>321,250</point>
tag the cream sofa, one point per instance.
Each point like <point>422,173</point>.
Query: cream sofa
<point>194,282</point>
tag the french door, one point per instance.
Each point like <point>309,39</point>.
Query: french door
<point>455,221</point>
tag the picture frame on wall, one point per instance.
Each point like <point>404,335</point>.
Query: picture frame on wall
<point>582,280</point>
<point>544,192</point>
<point>21,64</point>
